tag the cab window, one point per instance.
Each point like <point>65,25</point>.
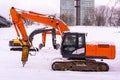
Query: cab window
<point>81,41</point>
<point>70,40</point>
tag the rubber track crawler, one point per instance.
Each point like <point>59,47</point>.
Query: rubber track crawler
<point>82,65</point>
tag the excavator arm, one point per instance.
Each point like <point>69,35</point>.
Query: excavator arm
<point>50,20</point>
<point>20,29</point>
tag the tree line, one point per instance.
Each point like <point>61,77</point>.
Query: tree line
<point>104,15</point>
<point>101,16</point>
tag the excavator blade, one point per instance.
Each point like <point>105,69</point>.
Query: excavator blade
<point>82,65</point>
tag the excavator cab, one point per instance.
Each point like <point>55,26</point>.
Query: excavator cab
<point>73,45</point>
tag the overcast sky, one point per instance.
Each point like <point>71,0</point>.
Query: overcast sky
<point>41,6</point>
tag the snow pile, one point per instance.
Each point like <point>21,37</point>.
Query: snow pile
<point>39,67</point>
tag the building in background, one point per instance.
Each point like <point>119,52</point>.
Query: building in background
<point>67,11</point>
<point>77,12</point>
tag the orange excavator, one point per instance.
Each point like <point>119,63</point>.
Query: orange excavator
<point>79,55</point>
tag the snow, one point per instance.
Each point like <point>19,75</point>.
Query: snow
<point>39,67</point>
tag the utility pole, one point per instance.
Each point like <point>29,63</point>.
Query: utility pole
<point>77,6</point>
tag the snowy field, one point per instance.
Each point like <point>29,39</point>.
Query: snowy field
<point>39,67</point>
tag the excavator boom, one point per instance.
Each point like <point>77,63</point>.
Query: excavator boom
<point>18,24</point>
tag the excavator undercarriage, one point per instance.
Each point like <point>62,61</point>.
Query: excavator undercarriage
<point>80,65</point>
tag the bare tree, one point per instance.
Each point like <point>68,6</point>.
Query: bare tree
<point>67,18</point>
<point>89,18</point>
<point>118,17</point>
<point>107,15</point>
<point>101,14</point>
<point>28,22</point>
<point>87,21</point>
<point>113,16</point>
<point>64,17</point>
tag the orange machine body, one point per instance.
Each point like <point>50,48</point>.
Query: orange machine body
<point>105,51</point>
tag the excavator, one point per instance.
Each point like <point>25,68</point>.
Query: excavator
<point>77,54</point>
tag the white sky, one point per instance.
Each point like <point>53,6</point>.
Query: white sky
<point>41,6</point>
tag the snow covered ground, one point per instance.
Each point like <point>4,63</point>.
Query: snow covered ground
<point>39,67</point>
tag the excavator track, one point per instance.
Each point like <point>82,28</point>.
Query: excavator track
<point>82,65</point>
